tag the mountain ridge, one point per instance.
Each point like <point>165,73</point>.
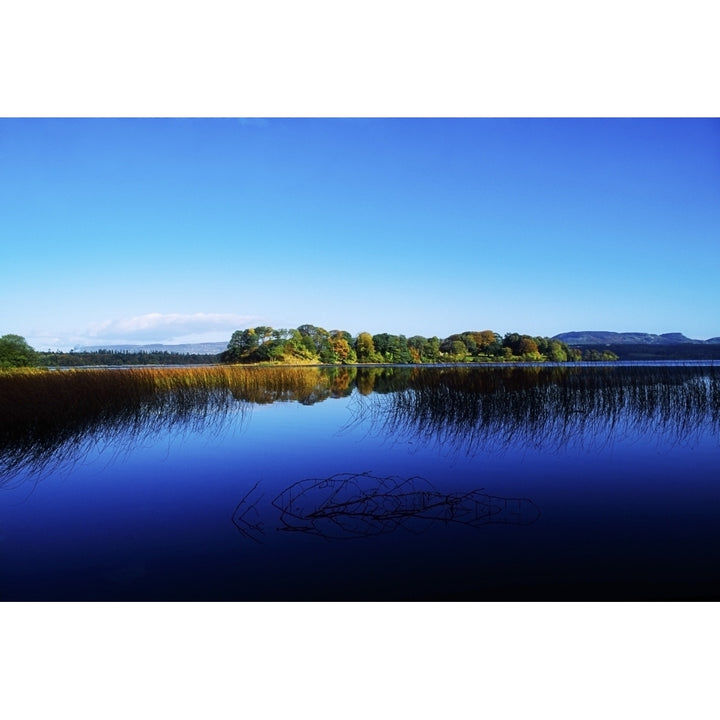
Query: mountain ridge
<point>607,337</point>
<point>205,348</point>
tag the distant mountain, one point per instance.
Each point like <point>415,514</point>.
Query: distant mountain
<point>604,337</point>
<point>211,348</point>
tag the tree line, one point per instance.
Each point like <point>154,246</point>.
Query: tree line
<point>313,344</point>
<point>15,352</point>
<point>310,344</point>
<point>80,358</point>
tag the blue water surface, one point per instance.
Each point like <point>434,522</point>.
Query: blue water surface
<point>214,512</point>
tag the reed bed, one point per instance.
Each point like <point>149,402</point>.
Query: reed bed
<point>51,415</point>
<point>495,409</point>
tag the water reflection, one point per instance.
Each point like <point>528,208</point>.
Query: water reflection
<point>51,418</point>
<point>494,409</point>
<point>360,505</point>
<point>247,518</point>
<point>631,523</point>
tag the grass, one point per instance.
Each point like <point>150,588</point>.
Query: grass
<point>549,407</point>
<point>48,414</point>
<point>51,415</point>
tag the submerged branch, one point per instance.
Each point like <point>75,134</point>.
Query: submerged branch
<point>350,505</point>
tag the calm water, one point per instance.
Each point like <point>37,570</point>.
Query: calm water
<point>437,483</point>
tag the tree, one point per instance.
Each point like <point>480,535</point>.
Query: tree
<point>293,347</point>
<point>392,348</point>
<point>365,348</point>
<point>458,350</point>
<point>316,339</point>
<point>241,344</point>
<point>263,334</point>
<point>512,342</point>
<point>340,345</point>
<point>556,351</point>
<point>529,349</point>
<point>431,350</point>
<point>400,350</point>
<point>416,345</point>
<point>470,342</point>
<point>15,352</point>
<point>446,344</point>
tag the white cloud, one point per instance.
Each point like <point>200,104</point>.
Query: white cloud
<point>169,327</point>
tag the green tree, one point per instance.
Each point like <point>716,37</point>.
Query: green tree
<point>557,352</point>
<point>511,341</point>
<point>365,348</point>
<point>431,350</point>
<point>297,348</point>
<point>241,344</point>
<point>392,348</point>
<point>317,339</point>
<point>15,352</point>
<point>458,350</point>
<point>447,344</point>
<point>264,333</point>
<point>470,341</point>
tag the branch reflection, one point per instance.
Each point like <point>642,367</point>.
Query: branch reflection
<point>361,505</point>
<point>246,517</point>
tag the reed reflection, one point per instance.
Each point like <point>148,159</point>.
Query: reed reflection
<point>52,418</point>
<point>491,409</point>
<point>49,418</point>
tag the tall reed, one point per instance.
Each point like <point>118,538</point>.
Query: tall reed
<point>550,407</point>
<point>48,415</point>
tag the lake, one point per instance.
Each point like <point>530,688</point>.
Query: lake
<point>545,482</point>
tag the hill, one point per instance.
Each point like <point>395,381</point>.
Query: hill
<point>209,348</point>
<point>605,337</point>
<point>643,346</point>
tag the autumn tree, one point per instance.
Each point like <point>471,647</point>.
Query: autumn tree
<point>341,348</point>
<point>310,343</point>
<point>529,349</point>
<point>415,345</point>
<point>365,348</point>
<point>486,342</point>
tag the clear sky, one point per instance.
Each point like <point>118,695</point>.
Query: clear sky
<point>184,230</point>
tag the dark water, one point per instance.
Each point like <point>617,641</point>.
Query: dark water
<point>436,483</point>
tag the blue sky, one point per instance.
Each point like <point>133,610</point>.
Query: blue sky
<point>183,230</point>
